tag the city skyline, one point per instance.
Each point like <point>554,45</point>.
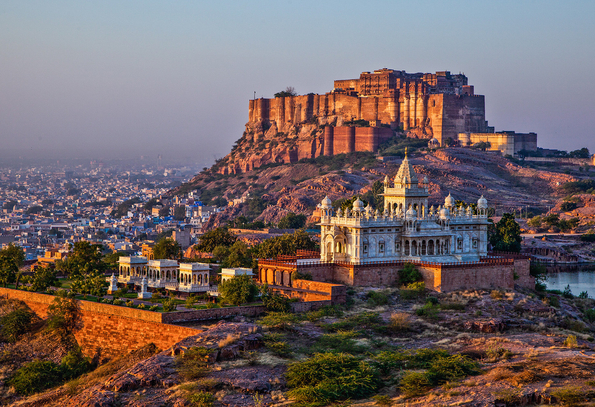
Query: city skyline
<point>143,78</point>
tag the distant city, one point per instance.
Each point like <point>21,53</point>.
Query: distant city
<point>118,203</point>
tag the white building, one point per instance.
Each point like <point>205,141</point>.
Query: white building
<point>168,274</point>
<point>228,274</point>
<point>407,229</point>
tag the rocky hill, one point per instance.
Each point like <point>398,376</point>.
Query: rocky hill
<point>273,190</point>
<point>475,348</point>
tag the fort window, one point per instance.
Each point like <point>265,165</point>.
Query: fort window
<point>381,247</point>
<point>459,243</point>
<point>365,249</point>
<point>407,251</point>
<point>474,243</point>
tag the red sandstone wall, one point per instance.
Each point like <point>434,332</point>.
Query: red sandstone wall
<point>108,329</point>
<point>486,277</point>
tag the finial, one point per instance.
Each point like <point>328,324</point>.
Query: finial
<point>406,148</point>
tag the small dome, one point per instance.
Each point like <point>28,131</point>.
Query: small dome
<point>358,204</point>
<point>444,213</point>
<point>449,202</point>
<point>482,203</point>
<point>326,202</point>
<point>411,213</point>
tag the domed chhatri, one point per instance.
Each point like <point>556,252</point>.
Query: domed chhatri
<point>358,204</point>
<point>326,202</point>
<point>449,201</point>
<point>407,228</point>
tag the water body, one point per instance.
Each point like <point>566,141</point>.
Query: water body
<point>579,278</point>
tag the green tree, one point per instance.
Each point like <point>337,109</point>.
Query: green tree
<point>8,270</point>
<point>167,248</point>
<point>506,235</point>
<point>552,219</point>
<point>239,255</point>
<point>85,261</point>
<point>64,315</point>
<point>238,290</point>
<point>111,259</point>
<point>347,203</point>
<point>180,213</point>
<point>293,221</point>
<point>286,244</point>
<point>213,238</point>
<point>14,252</point>
<point>289,91</point>
<point>220,253</point>
<point>535,221</point>
<point>409,274</point>
<point>164,212</point>
<point>43,277</point>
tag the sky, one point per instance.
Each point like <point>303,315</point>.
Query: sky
<point>128,78</point>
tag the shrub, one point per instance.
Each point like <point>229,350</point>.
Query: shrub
<point>400,321</point>
<point>16,323</point>
<point>429,311</point>
<point>382,400</point>
<point>567,292</point>
<point>64,316</point>
<point>409,274</point>
<point>278,320</point>
<point>36,376</point>
<point>554,301</point>
<point>388,361</point>
<point>583,295</point>
<point>118,302</point>
<point>570,341</point>
<point>496,294</point>
<point>202,399</point>
<point>377,298</point>
<point>457,306</point>
<point>74,364</point>
<point>238,290</point>
<point>193,363</point>
<point>327,377</point>
<point>275,343</point>
<point>414,384</point>
<point>341,342</point>
<point>130,303</point>
<point>569,395</point>
<point>169,305</point>
<point>275,302</point>
<point>447,369</point>
<point>589,314</point>
<point>154,308</point>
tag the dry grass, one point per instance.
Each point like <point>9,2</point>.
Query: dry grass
<point>228,340</point>
<point>523,378</point>
<point>500,373</point>
<point>400,321</point>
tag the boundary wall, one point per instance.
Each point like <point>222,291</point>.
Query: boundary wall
<point>502,271</point>
<point>108,330</point>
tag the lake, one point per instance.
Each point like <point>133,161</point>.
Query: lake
<point>579,278</point>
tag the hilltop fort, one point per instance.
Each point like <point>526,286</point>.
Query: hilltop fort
<point>362,114</point>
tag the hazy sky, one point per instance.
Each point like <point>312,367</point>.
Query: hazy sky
<point>139,77</point>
